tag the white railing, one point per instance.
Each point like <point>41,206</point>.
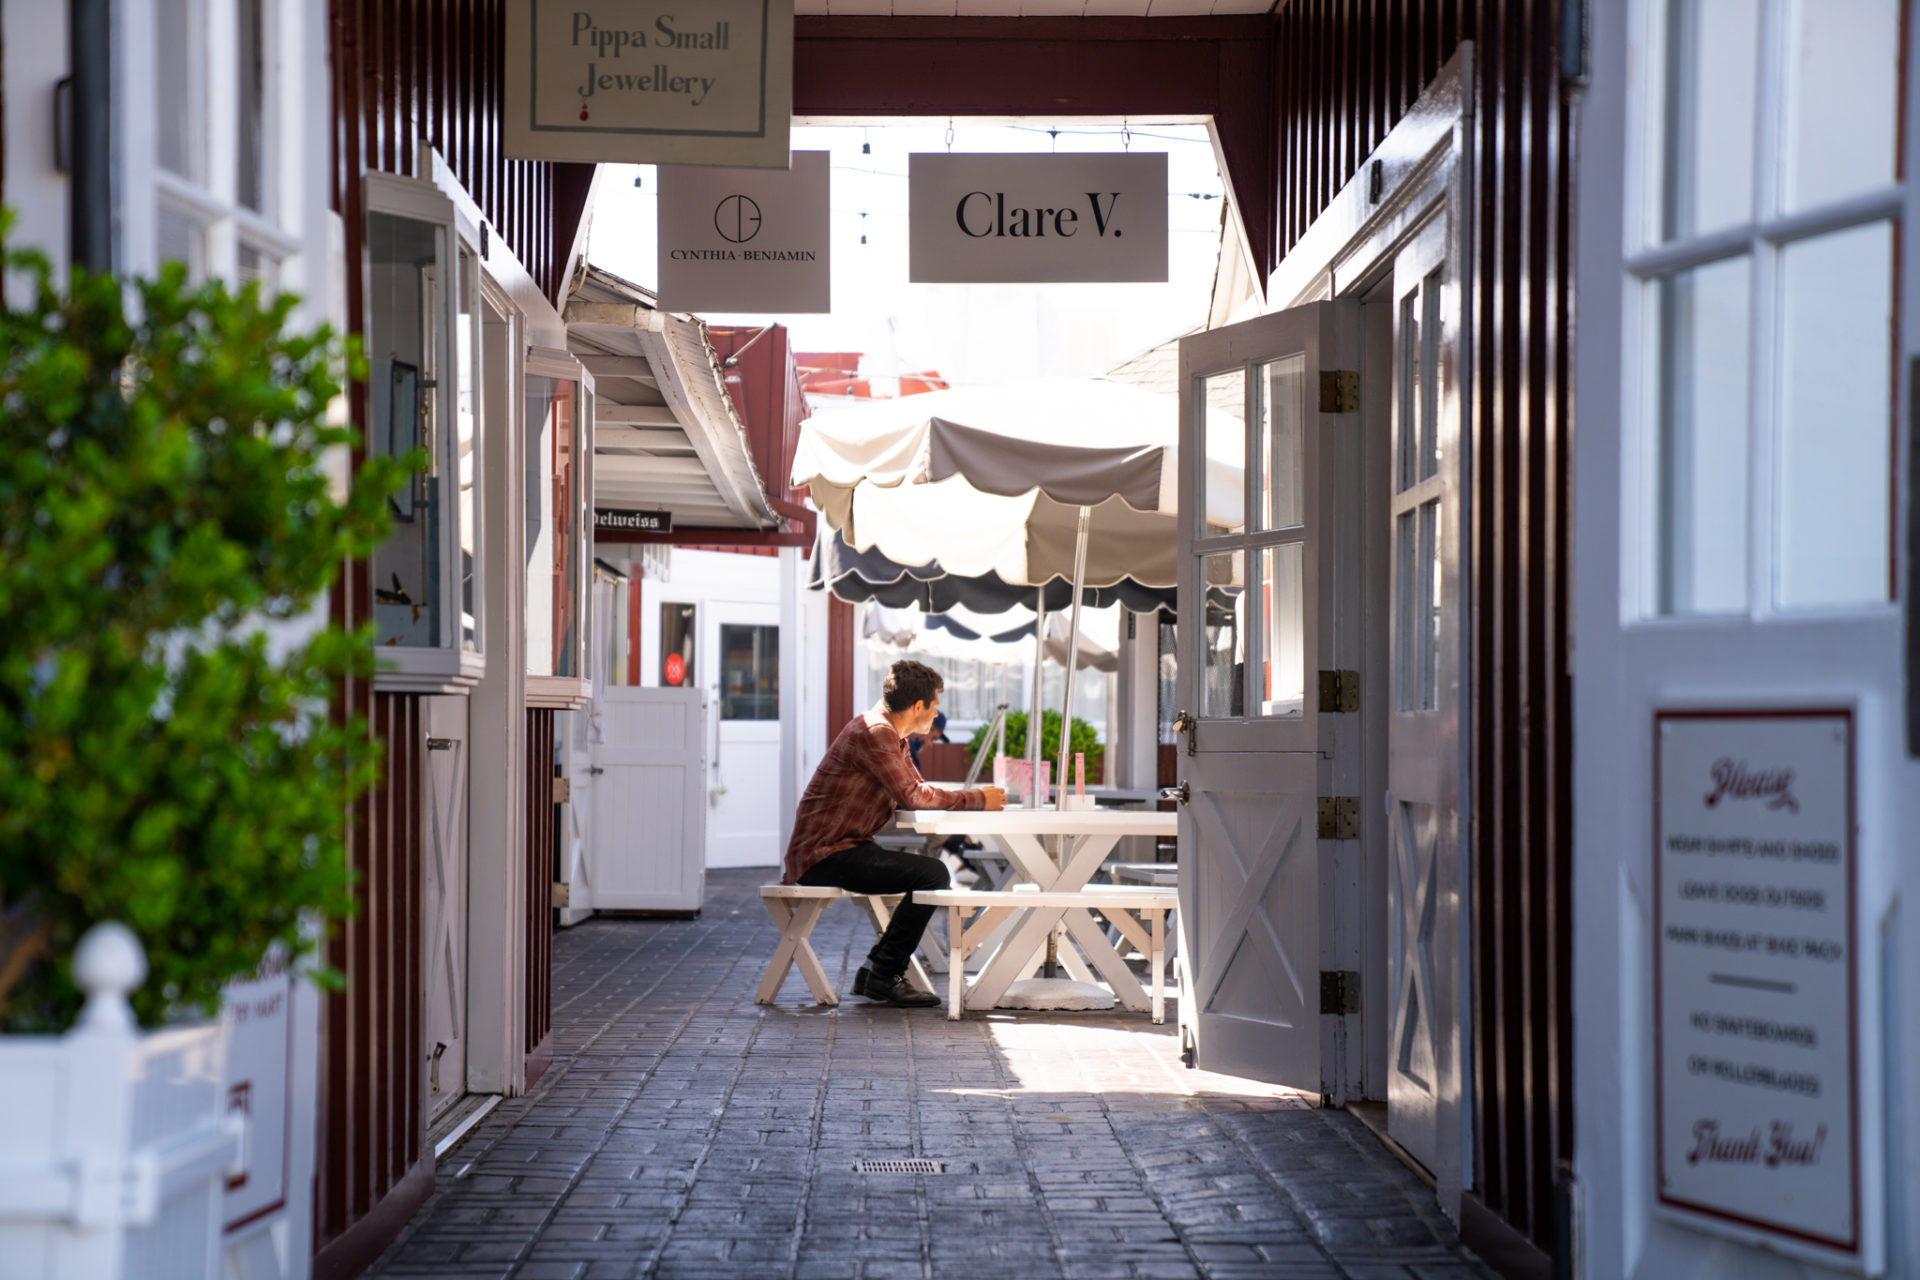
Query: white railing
<point>118,1145</point>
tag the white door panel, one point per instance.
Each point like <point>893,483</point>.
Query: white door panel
<point>445,905</point>
<point>1424,770</point>
<point>648,830</point>
<point>1258,607</point>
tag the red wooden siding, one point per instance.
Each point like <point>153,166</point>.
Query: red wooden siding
<point>378,1168</point>
<point>542,870</point>
<point>1346,71</point>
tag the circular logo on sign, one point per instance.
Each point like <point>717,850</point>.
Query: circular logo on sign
<point>737,219</point>
<point>676,668</point>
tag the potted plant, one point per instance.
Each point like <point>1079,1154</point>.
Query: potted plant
<point>1084,741</point>
<point>173,505</point>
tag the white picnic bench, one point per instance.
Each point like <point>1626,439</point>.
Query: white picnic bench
<point>1043,908</point>
<point>795,909</point>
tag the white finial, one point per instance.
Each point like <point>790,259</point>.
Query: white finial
<point>108,964</point>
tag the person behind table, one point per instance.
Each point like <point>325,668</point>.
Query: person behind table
<point>938,733</point>
<point>866,775</point>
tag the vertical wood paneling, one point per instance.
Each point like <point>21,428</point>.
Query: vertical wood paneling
<point>1335,109</point>
<point>541,868</point>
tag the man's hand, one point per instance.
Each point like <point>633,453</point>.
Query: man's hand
<point>996,798</point>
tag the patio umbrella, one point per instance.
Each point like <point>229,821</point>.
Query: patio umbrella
<point>1027,480</point>
<point>858,576</point>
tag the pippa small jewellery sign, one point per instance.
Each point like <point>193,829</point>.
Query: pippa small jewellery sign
<point>1756,1005</point>
<point>650,81</point>
<point>1036,218</point>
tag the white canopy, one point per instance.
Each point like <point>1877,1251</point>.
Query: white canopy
<point>992,479</point>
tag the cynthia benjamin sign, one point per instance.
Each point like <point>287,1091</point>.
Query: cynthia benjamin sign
<point>1755,993</point>
<point>1024,219</point>
<point>650,81</point>
<point>746,239</point>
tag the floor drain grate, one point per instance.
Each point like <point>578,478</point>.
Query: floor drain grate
<point>900,1166</point>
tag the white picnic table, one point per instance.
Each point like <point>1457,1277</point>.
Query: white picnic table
<point>1084,838</point>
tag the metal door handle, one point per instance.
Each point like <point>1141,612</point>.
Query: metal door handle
<point>439,744</point>
<point>595,769</point>
<point>1186,724</point>
<point>1179,793</point>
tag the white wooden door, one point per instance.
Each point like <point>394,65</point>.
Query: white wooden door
<point>744,824</point>
<point>1263,546</point>
<point>648,834</point>
<point>446,900</point>
<point>1424,740</point>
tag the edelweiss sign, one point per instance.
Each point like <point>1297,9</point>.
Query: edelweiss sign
<point>1028,219</point>
<point>650,81</point>
<point>746,239</point>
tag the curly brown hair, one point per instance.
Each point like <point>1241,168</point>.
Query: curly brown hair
<point>910,682</point>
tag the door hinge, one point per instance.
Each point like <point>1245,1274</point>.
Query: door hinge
<point>1339,817</point>
<point>562,893</point>
<point>1339,690</point>
<point>1339,391</point>
<point>1339,991</point>
<point>562,790</point>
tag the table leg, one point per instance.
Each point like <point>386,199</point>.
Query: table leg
<point>956,961</point>
<point>1157,963</point>
<point>1126,987</point>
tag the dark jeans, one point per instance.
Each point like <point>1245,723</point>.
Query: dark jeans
<point>869,868</point>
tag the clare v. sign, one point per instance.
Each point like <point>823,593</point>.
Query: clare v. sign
<point>650,81</point>
<point>1028,219</point>
<point>617,521</point>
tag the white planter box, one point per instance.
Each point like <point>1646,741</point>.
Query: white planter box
<point>117,1147</point>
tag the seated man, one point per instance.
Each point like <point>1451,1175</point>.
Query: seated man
<point>865,776</point>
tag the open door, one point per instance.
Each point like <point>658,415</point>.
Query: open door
<point>1268,436</point>
<point>649,787</point>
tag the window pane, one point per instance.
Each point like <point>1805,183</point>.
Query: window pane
<point>1430,290</point>
<point>1842,92</point>
<point>1713,70</point>
<point>539,488</point>
<point>749,673</point>
<point>1416,608</point>
<point>1222,659</point>
<point>566,532</point>
<point>1835,423</point>
<point>677,639</point>
<point>1283,583</point>
<point>1411,391</point>
<point>1224,397</point>
<point>249,178</point>
<point>1284,442</point>
<point>402,345</point>
<point>1701,461</point>
<point>180,239</point>
<point>180,81</point>
<point>467,439</point>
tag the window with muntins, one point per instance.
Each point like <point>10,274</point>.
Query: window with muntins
<point>1763,236</point>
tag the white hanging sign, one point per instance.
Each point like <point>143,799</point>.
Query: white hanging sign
<point>649,81</point>
<point>1756,994</point>
<point>751,240</point>
<point>1036,218</point>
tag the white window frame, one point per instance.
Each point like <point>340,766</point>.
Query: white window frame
<point>293,177</point>
<point>1649,259</point>
<point>544,689</point>
<point>446,667</point>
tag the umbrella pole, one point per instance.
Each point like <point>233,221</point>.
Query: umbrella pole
<point>1036,704</point>
<point>1073,650</point>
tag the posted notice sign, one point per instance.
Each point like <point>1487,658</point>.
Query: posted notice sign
<point>1755,998</point>
<point>1036,218</point>
<point>649,81</point>
<point>746,239</point>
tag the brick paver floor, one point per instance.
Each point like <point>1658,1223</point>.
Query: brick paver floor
<point>684,1131</point>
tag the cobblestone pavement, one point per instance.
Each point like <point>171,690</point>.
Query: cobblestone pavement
<point>683,1131</point>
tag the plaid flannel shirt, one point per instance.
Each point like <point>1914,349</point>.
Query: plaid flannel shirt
<point>866,775</point>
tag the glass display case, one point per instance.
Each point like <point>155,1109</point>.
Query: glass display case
<point>559,488</point>
<point>423,379</point>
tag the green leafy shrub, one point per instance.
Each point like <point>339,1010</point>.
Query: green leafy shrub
<point>1085,740</point>
<point>168,518</point>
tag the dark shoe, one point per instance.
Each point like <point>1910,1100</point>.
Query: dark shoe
<point>894,990</point>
